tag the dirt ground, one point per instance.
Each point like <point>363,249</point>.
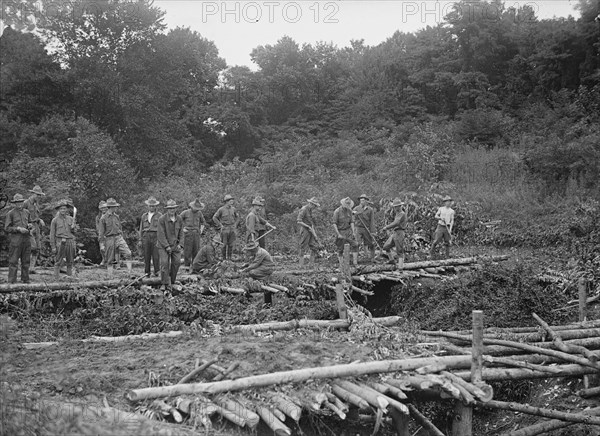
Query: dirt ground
<point>93,374</point>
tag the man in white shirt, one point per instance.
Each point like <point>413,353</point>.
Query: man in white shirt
<point>148,237</point>
<point>445,217</point>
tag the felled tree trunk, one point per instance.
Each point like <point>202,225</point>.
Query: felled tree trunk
<point>428,264</point>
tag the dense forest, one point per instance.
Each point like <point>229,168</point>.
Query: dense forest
<point>502,112</point>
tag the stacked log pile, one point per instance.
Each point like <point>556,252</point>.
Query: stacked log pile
<point>391,387</point>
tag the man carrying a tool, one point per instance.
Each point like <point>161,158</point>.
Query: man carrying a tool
<point>365,224</point>
<point>398,228</point>
<point>254,220</point>
<point>169,240</point>
<point>111,238</point>
<point>261,227</point>
<point>18,226</point>
<point>148,235</point>
<point>193,226</point>
<point>345,232</point>
<point>445,222</point>
<point>261,266</point>
<point>33,206</point>
<point>226,218</point>
<point>62,240</point>
<point>308,237</point>
<point>206,261</point>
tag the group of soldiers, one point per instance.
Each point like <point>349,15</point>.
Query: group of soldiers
<point>165,238</point>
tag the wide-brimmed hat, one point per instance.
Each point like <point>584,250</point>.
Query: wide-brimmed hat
<point>111,202</point>
<point>365,196</point>
<point>217,240</point>
<point>347,202</point>
<point>227,198</point>
<point>197,204</point>
<point>251,246</point>
<point>314,201</point>
<point>447,198</point>
<point>18,198</point>
<point>152,201</point>
<point>64,202</point>
<point>171,204</point>
<point>102,205</point>
<point>397,202</point>
<point>37,190</point>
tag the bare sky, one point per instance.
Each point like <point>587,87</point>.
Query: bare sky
<point>236,27</point>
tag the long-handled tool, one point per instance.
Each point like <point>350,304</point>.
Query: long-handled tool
<point>369,232</point>
<point>264,234</point>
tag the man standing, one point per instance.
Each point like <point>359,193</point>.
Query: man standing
<point>17,225</point>
<point>398,228</point>
<point>193,226</point>
<point>111,237</point>
<point>254,222</point>
<point>226,218</point>
<point>33,206</point>
<point>308,236</point>
<point>62,240</point>
<point>365,224</point>
<point>345,232</point>
<point>206,259</point>
<point>169,239</point>
<point>147,240</point>
<point>445,217</point>
<point>261,227</point>
<point>102,210</point>
<point>261,265</point>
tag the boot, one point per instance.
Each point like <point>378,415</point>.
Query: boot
<point>400,262</point>
<point>354,259</point>
<point>129,264</point>
<point>111,270</point>
<point>33,263</point>
<point>56,271</point>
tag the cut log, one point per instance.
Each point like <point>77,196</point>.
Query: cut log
<point>228,371</point>
<point>287,407</point>
<point>590,392</point>
<point>351,398</point>
<point>269,289</point>
<point>519,364</point>
<point>196,371</point>
<point>278,413</point>
<point>499,350</point>
<point>293,324</point>
<point>231,416</point>
<point>498,374</point>
<point>278,287</point>
<point>430,263</point>
<point>548,426</point>
<point>338,403</point>
<point>273,422</point>
<point>483,393</point>
<point>375,399</point>
<point>361,291</point>
<point>538,411</point>
<point>335,409</point>
<point>387,390</point>
<point>591,324</point>
<point>557,339</point>
<point>251,418</point>
<point>401,407</point>
<point>423,421</point>
<point>230,290</point>
<point>532,349</point>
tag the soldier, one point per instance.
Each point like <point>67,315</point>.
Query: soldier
<point>193,226</point>
<point>261,265</point>
<point>111,237</point>
<point>261,227</point>
<point>169,240</point>
<point>18,226</point>
<point>396,238</point>
<point>365,224</point>
<point>32,205</point>
<point>62,240</point>
<point>445,217</point>
<point>343,224</point>
<point>226,218</point>
<point>147,241</point>
<point>254,221</point>
<point>308,237</point>
<point>102,210</point>
<point>206,259</point>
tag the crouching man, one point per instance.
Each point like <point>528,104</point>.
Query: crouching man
<point>62,240</point>
<point>169,240</point>
<point>261,265</point>
<point>206,261</point>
